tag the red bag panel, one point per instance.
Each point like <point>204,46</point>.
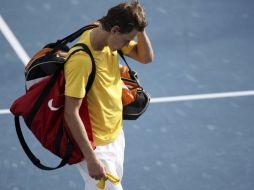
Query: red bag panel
<point>50,117</point>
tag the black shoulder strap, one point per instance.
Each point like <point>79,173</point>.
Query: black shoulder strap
<point>123,58</point>
<point>132,73</point>
<point>69,146</point>
<point>33,158</point>
<point>75,35</point>
<point>61,44</point>
<point>86,49</point>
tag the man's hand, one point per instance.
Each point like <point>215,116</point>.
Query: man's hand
<point>96,169</point>
<point>142,51</point>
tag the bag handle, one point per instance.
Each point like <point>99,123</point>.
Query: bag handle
<point>70,38</point>
<point>73,36</point>
<point>32,157</point>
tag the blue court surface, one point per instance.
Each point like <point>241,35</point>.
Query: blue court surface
<point>201,47</point>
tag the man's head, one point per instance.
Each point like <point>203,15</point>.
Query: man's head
<point>123,22</point>
<point>127,16</point>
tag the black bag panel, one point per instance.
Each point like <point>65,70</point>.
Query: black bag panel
<point>44,66</point>
<point>135,109</point>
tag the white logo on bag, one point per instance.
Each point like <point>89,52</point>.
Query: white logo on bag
<point>51,107</point>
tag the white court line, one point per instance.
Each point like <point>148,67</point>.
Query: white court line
<point>4,111</point>
<point>202,96</point>
<point>188,97</point>
<point>25,58</point>
<point>4,28</point>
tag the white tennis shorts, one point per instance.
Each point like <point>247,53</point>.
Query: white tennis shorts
<point>112,156</point>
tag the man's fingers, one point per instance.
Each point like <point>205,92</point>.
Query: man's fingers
<point>98,177</point>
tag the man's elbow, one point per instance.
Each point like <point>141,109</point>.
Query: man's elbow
<point>147,59</point>
<point>69,114</point>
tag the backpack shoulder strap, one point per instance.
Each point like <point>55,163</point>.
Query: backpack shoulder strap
<point>86,49</point>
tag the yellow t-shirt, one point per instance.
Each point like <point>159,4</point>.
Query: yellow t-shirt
<point>105,95</point>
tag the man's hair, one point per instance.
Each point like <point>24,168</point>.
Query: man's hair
<point>127,16</point>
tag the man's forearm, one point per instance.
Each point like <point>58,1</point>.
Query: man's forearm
<point>78,132</point>
<point>144,48</point>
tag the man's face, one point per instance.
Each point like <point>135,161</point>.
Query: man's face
<point>118,40</point>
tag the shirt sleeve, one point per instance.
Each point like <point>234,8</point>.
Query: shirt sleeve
<point>127,49</point>
<point>76,71</point>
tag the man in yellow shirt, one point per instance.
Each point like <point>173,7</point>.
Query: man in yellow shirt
<point>116,31</point>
